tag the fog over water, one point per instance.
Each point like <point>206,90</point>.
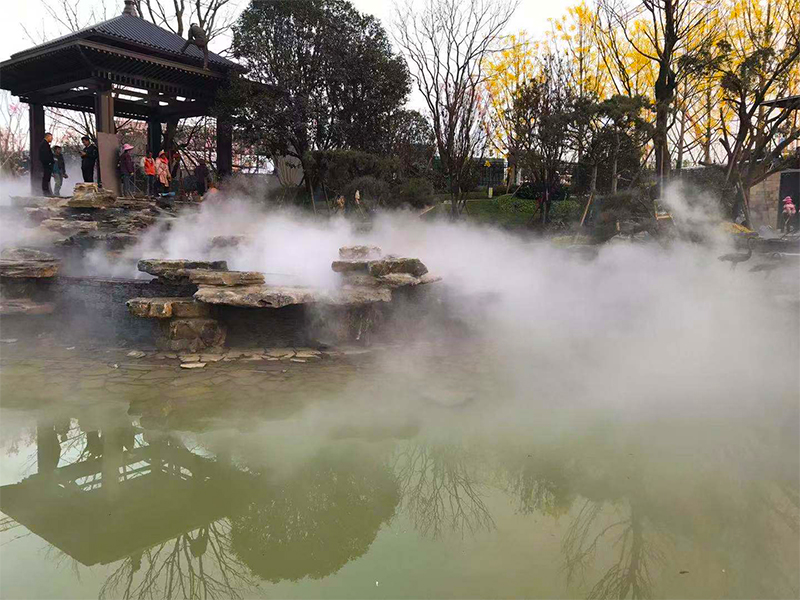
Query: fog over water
<point>549,425</point>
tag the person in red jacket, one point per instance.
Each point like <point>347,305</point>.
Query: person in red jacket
<point>149,167</point>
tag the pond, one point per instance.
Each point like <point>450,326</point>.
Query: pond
<point>348,477</point>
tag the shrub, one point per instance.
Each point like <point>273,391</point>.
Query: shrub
<point>414,192</point>
<point>565,211</point>
<point>373,191</point>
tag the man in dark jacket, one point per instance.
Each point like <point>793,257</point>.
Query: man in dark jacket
<point>46,158</point>
<point>197,37</point>
<point>88,159</point>
<point>127,170</point>
<point>201,176</point>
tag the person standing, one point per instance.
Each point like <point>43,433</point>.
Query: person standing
<point>46,158</point>
<point>201,175</point>
<point>197,36</point>
<point>149,166</point>
<point>88,159</point>
<point>127,170</point>
<point>162,171</point>
<point>59,170</point>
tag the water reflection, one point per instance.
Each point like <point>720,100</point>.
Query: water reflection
<point>180,515</point>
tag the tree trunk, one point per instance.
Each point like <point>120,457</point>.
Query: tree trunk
<point>614,160</point>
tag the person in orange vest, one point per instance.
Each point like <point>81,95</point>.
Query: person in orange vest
<point>149,167</point>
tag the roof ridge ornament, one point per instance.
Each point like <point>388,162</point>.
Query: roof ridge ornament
<point>130,8</point>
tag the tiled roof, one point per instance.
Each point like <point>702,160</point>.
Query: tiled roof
<point>136,30</point>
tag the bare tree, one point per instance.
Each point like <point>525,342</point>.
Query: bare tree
<point>214,16</point>
<point>446,43</point>
<point>13,134</point>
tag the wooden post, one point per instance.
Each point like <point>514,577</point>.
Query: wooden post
<point>224,148</point>
<point>36,133</point>
<point>104,121</point>
<point>154,135</point>
<point>104,109</point>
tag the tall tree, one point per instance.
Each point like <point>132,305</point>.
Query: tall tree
<point>334,78</point>
<point>543,114</point>
<point>446,43</point>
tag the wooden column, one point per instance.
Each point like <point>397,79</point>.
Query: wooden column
<point>36,132</point>
<point>224,148</point>
<point>104,109</point>
<point>154,135</point>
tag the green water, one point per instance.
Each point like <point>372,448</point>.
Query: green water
<point>344,478</point>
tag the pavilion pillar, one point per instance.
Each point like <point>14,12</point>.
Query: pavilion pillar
<point>104,109</point>
<point>154,135</point>
<point>224,147</point>
<point>36,132</point>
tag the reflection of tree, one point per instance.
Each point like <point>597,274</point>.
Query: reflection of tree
<point>312,523</point>
<point>630,576</point>
<point>197,564</point>
<point>543,485</point>
<point>440,491</point>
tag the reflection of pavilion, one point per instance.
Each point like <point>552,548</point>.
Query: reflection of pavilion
<point>175,522</point>
<point>115,501</point>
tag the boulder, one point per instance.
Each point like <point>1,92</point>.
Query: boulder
<point>356,252</point>
<point>190,334</point>
<point>175,268</point>
<point>167,308</point>
<point>229,241</point>
<point>388,265</point>
<point>27,263</point>
<point>89,195</point>
<point>381,267</point>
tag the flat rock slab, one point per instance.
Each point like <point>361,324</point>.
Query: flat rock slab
<point>164,267</point>
<point>32,201</point>
<point>397,280</point>
<point>224,278</point>
<point>27,263</point>
<point>272,296</point>
<point>24,306</point>
<point>167,308</point>
<point>68,226</point>
<point>360,252</point>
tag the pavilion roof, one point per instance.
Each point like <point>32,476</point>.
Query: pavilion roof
<point>134,32</point>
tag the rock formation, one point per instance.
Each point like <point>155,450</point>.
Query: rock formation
<point>25,275</point>
<point>89,195</point>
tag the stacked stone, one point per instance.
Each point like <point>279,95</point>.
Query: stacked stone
<point>366,266</point>
<point>25,277</point>
<point>186,324</point>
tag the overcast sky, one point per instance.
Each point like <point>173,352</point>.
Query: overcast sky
<point>532,16</point>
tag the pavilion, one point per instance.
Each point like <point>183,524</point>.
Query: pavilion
<point>125,67</point>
